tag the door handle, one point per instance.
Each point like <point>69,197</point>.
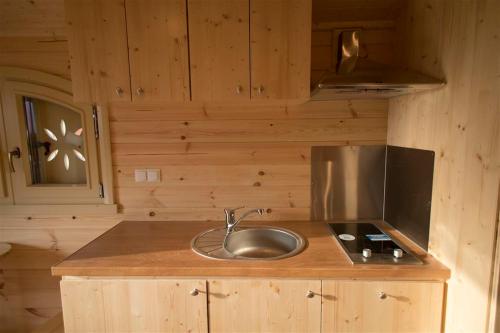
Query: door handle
<point>14,153</point>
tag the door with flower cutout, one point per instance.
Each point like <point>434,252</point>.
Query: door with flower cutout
<point>52,149</point>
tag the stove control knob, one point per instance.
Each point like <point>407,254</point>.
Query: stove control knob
<point>398,253</point>
<point>367,253</point>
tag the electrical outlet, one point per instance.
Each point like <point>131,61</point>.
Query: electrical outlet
<point>140,175</point>
<point>153,175</point>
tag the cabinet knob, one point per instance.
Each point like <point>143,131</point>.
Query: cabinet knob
<point>260,90</point>
<point>310,294</point>
<point>382,295</point>
<point>140,91</point>
<point>239,89</point>
<point>194,292</point>
<point>119,91</point>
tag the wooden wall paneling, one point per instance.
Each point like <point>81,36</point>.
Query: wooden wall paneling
<point>200,111</point>
<point>225,131</point>
<point>280,39</point>
<point>264,306</point>
<point>98,50</point>
<point>158,50</point>
<point>213,156</point>
<point>219,50</point>
<point>32,18</point>
<point>46,54</point>
<point>461,123</point>
<point>29,295</point>
<point>357,306</point>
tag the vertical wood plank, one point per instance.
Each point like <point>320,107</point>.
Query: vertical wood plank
<point>83,306</point>
<point>357,306</point>
<point>98,50</point>
<point>219,50</point>
<point>264,306</point>
<point>158,49</point>
<point>280,45</point>
<point>461,123</point>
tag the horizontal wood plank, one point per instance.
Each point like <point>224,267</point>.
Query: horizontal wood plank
<point>221,175</point>
<point>199,111</point>
<point>248,131</point>
<point>214,196</point>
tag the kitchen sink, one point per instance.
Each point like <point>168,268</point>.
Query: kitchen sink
<point>249,243</point>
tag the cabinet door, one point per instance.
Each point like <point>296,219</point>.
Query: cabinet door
<point>158,50</point>
<point>134,305</point>
<point>280,35</point>
<point>219,50</point>
<point>98,50</point>
<point>264,306</point>
<point>382,306</point>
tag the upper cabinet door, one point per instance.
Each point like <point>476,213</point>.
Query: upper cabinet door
<point>98,50</point>
<point>280,44</point>
<point>219,50</point>
<point>158,50</point>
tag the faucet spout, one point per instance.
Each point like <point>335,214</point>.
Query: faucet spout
<point>232,222</point>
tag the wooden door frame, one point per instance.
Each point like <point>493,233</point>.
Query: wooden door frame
<point>14,74</point>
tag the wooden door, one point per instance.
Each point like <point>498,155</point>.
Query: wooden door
<point>134,305</point>
<point>219,50</point>
<point>280,45</point>
<point>158,50</point>
<point>98,50</point>
<point>382,306</point>
<point>264,305</point>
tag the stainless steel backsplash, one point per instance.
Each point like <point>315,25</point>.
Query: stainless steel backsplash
<point>374,182</point>
<point>347,182</point>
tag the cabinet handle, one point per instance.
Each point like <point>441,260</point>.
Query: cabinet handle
<point>194,292</point>
<point>13,153</point>
<point>260,90</point>
<point>119,91</point>
<point>382,295</point>
<point>140,91</point>
<point>310,294</point>
<point>239,89</point>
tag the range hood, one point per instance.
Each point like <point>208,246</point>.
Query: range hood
<point>349,82</point>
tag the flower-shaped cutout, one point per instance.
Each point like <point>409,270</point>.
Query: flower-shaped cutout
<point>65,139</point>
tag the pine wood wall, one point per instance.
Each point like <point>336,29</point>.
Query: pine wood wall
<point>213,157</point>
<point>458,40</point>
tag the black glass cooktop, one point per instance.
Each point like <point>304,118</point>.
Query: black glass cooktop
<point>365,243</point>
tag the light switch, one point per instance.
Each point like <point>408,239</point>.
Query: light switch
<point>140,175</point>
<point>153,175</point>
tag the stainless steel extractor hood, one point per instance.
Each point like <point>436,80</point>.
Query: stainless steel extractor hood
<point>350,82</point>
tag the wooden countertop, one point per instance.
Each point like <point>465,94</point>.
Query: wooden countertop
<point>156,248</point>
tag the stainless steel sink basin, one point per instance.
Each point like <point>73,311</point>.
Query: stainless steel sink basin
<point>249,243</point>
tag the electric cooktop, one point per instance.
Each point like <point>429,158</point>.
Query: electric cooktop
<point>365,243</point>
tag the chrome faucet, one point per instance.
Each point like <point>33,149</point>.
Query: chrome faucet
<point>232,222</point>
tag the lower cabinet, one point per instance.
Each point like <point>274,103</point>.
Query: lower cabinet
<point>134,305</point>
<point>250,305</point>
<point>382,306</point>
<point>264,305</point>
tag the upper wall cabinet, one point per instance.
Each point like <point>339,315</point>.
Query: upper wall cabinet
<point>219,50</point>
<point>280,39</point>
<point>123,50</point>
<point>98,50</point>
<point>158,50</point>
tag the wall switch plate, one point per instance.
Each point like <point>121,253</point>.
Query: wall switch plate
<point>140,175</point>
<point>153,175</point>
